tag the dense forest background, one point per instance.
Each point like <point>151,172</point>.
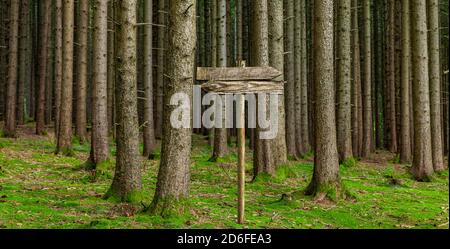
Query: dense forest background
<point>363,121</point>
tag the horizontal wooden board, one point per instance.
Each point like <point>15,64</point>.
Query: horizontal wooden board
<point>236,73</point>
<point>224,87</point>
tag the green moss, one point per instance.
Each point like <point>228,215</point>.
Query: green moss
<point>349,162</point>
<point>113,195</point>
<point>169,207</point>
<point>42,190</point>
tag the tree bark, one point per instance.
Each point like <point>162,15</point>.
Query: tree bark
<point>220,134</point>
<point>276,58</point>
<point>160,69</point>
<point>435,84</point>
<point>357,113</point>
<point>298,77</point>
<point>367,89</point>
<point>64,144</point>
<point>127,183</point>
<point>111,67</point>
<point>325,178</point>
<point>82,73</point>
<point>24,60</point>
<point>99,142</point>
<point>344,135</point>
<point>422,167</point>
<point>149,132</point>
<point>173,176</point>
<point>405,135</point>
<point>11,94</point>
<point>391,129</point>
<point>264,157</point>
<point>45,29</point>
<point>58,61</point>
<point>304,83</point>
<point>290,80</point>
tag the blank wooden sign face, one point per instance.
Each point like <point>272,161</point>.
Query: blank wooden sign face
<point>229,80</point>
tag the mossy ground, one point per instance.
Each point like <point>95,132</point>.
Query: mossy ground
<point>39,189</point>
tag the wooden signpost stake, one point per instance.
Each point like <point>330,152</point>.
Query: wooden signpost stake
<point>240,80</point>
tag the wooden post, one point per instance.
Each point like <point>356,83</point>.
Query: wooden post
<point>241,158</point>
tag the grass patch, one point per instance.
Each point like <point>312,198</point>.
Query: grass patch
<point>39,189</point>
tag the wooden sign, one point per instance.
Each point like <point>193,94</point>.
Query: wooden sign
<point>236,73</point>
<point>240,80</point>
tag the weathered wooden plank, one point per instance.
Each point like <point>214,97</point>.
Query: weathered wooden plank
<point>237,73</point>
<point>223,87</point>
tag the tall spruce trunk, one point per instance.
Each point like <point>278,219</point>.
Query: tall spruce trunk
<point>367,84</point>
<point>127,182</point>
<point>290,80</point>
<point>357,113</point>
<point>304,81</point>
<point>344,131</point>
<point>149,132</point>
<point>263,160</point>
<point>160,68</point>
<point>405,133</point>
<point>435,84</point>
<point>422,167</point>
<point>64,143</point>
<point>325,178</point>
<point>220,134</point>
<point>276,58</point>
<point>82,72</point>
<point>111,67</point>
<point>24,76</point>
<point>173,176</point>
<point>58,61</point>
<point>298,77</point>
<point>99,142</point>
<point>11,87</point>
<point>391,129</point>
<point>43,57</point>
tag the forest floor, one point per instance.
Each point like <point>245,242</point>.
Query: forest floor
<point>39,189</point>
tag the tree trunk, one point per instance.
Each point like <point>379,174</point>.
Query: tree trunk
<point>405,135</point>
<point>81,74</point>
<point>298,77</point>
<point>99,142</point>
<point>64,144</point>
<point>391,129</point>
<point>149,132</point>
<point>111,67</point>
<point>435,84</point>
<point>11,94</point>
<point>40,112</point>
<point>220,134</point>
<point>160,69</point>
<point>357,112</point>
<point>422,167</point>
<point>326,163</point>
<point>24,60</point>
<point>173,176</point>
<point>127,183</point>
<point>367,89</point>
<point>264,161</point>
<point>290,80</point>
<point>276,53</point>
<point>50,70</point>
<point>58,62</point>
<point>304,83</point>
<point>344,135</point>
